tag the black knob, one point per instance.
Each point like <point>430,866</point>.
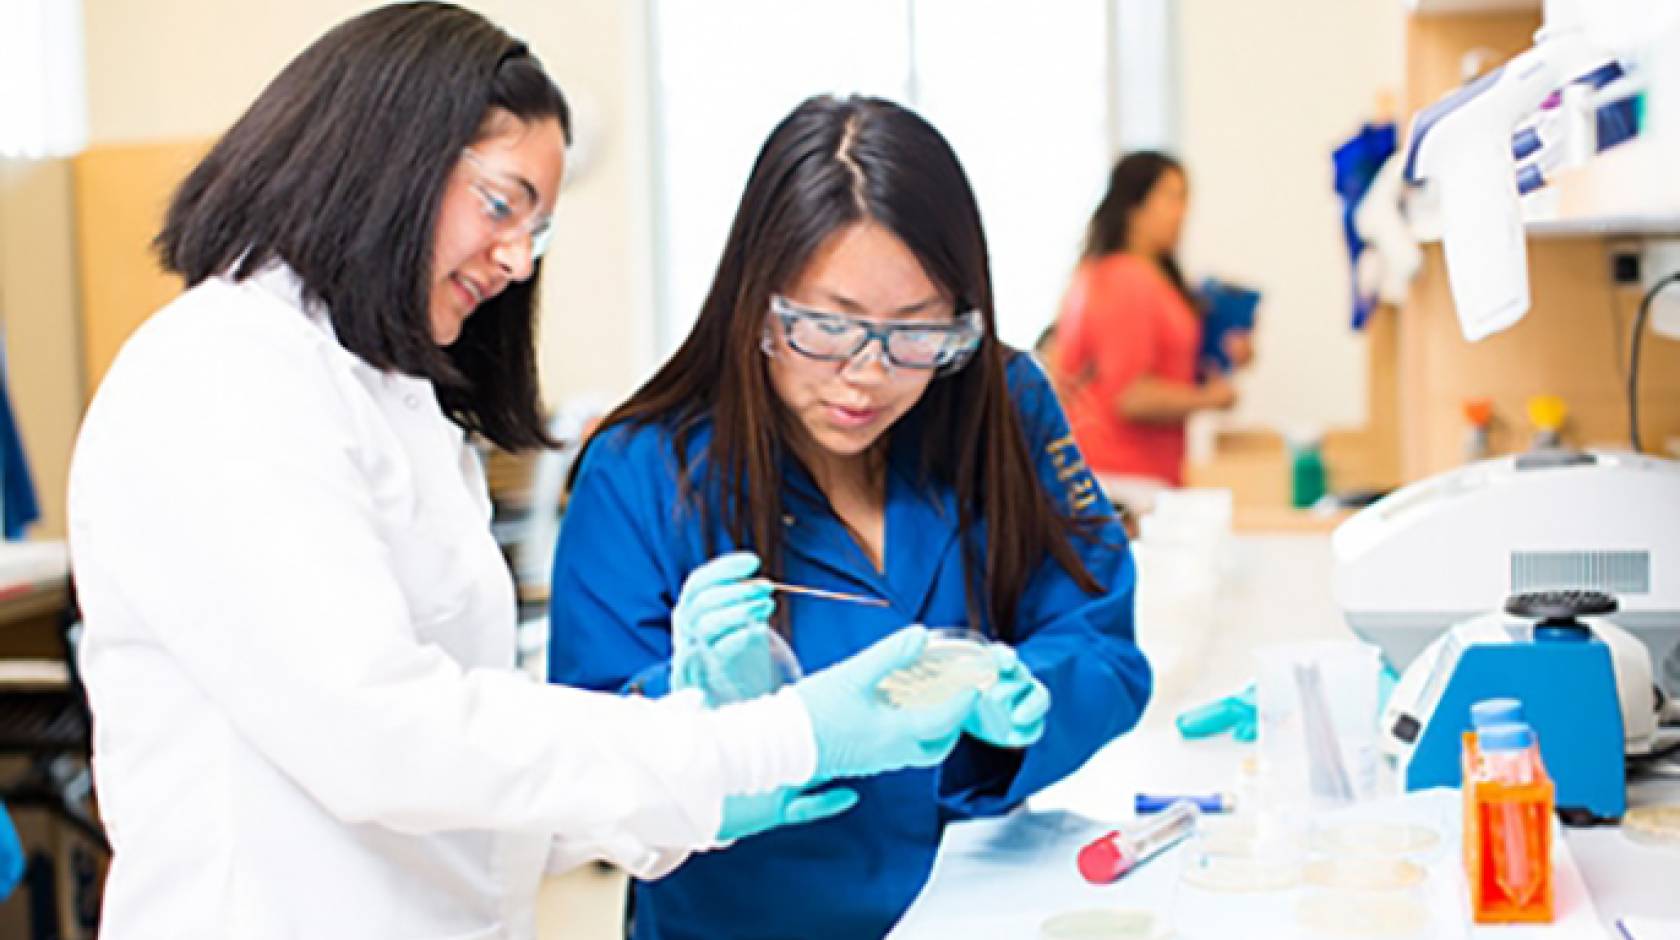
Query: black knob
<point>1560,605</point>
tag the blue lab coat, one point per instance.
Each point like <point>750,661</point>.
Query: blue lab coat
<point>625,548</point>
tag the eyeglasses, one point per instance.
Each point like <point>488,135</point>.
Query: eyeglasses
<point>916,344</point>
<point>509,206</point>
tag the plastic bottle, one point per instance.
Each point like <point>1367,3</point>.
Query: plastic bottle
<point>1478,415</point>
<point>1307,477</point>
<point>1508,758</point>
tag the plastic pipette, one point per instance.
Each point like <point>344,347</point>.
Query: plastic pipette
<point>827,595</point>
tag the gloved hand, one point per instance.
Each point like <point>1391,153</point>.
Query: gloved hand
<point>859,733</point>
<point>719,631</point>
<point>1011,712</point>
<point>787,806</point>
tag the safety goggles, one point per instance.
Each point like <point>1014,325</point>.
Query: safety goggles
<point>508,206</point>
<point>945,345</point>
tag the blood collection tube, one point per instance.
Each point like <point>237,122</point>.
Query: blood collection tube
<point>1106,859</point>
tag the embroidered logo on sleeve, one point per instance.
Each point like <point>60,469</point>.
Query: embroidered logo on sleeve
<point>1071,471</point>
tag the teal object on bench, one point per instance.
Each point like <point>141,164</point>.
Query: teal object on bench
<point>1233,713</point>
<point>11,855</point>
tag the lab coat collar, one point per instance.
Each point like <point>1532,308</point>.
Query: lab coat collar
<point>279,281</point>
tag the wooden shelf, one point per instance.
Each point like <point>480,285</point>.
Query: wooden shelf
<point>1607,226</point>
<point>1434,7</point>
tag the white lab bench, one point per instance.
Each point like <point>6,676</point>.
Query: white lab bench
<point>1277,590</point>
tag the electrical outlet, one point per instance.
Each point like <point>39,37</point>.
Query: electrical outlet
<point>1624,266</point>
<point>1660,259</point>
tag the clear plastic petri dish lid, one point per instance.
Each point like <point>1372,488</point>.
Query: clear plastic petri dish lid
<point>767,664</point>
<point>955,659</point>
<point>1653,825</point>
<point>1343,914</point>
<point>1363,873</point>
<point>1371,837</point>
<point>1100,923</point>
<point>1247,853</point>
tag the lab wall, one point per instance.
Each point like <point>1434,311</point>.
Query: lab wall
<point>185,69</point>
<point>1268,91</point>
<point>1573,344</point>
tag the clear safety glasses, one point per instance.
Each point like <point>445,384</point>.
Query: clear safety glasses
<point>509,206</point>
<point>945,345</point>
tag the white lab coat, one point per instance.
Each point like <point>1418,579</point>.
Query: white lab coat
<point>299,652</point>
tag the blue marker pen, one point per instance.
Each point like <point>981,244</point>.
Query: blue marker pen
<point>1207,803</point>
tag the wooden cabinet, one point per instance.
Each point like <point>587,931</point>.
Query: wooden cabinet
<point>121,193</point>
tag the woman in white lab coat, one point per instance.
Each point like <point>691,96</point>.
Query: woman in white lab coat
<point>299,641</point>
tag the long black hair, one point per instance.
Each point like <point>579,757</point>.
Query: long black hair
<point>832,163</point>
<point>1133,178</point>
<point>338,169</point>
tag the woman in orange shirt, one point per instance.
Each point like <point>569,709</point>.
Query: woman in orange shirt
<point>1127,338</point>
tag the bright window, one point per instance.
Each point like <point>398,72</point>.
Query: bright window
<point>1023,92</point>
<point>42,83</point>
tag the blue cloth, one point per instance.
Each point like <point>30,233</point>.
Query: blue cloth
<point>11,855</point>
<point>1356,163</point>
<point>625,548</point>
<point>17,491</point>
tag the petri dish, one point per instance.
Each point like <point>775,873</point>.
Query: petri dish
<point>1364,915</point>
<point>1101,923</point>
<point>767,664</point>
<point>1367,837</point>
<point>955,659</point>
<point>1244,854</point>
<point>1656,825</point>
<point>1363,873</point>
<point>1236,874</point>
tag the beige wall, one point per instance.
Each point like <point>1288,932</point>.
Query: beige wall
<point>162,69</point>
<point>1269,89</point>
<point>38,309</point>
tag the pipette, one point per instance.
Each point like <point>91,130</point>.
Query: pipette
<point>827,595</point>
<point>1106,859</point>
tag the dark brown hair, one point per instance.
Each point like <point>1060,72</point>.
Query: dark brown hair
<point>1133,178</point>
<point>831,163</point>
<point>338,169</point>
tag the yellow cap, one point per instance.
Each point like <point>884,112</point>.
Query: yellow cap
<point>1547,412</point>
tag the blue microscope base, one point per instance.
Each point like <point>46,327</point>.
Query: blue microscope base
<point>1568,691</point>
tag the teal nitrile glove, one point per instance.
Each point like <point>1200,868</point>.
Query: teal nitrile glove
<point>786,806</point>
<point>1232,713</point>
<point>860,733</point>
<point>1011,712</point>
<point>719,641</point>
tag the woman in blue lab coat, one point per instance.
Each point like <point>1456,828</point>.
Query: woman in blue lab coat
<point>844,417</point>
